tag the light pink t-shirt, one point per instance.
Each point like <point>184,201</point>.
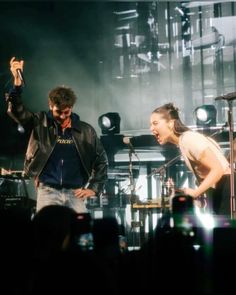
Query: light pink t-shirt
<point>192,144</point>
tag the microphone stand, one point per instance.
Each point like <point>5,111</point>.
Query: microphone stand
<point>162,172</point>
<point>132,195</point>
<point>163,167</point>
<point>229,98</point>
<point>231,139</point>
<point>131,176</point>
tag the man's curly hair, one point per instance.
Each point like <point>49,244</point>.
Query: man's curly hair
<point>62,97</point>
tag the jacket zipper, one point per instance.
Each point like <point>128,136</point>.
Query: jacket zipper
<point>62,163</point>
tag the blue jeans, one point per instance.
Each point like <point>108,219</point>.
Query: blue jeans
<point>47,195</point>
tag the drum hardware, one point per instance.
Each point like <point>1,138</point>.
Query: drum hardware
<point>121,174</point>
<point>92,202</point>
<point>167,192</point>
<point>152,203</point>
<point>132,194</point>
<point>115,200</point>
<point>145,212</point>
<point>162,169</point>
<point>136,224</point>
<point>167,188</point>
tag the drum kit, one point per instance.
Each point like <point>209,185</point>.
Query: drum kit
<point>121,198</point>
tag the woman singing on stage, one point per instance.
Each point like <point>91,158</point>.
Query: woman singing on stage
<point>202,155</point>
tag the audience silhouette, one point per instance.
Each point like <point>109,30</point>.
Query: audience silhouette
<point>58,251</point>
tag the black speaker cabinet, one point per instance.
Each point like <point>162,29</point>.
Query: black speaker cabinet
<point>9,201</point>
<point>13,192</point>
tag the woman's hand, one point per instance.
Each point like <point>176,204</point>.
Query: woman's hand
<point>199,201</point>
<point>191,192</point>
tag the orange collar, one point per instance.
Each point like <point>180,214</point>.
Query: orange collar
<point>66,123</point>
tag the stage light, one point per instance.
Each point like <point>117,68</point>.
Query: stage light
<point>109,123</point>
<point>205,115</point>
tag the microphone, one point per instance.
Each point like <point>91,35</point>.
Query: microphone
<point>229,96</point>
<point>20,75</point>
<point>127,140</point>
